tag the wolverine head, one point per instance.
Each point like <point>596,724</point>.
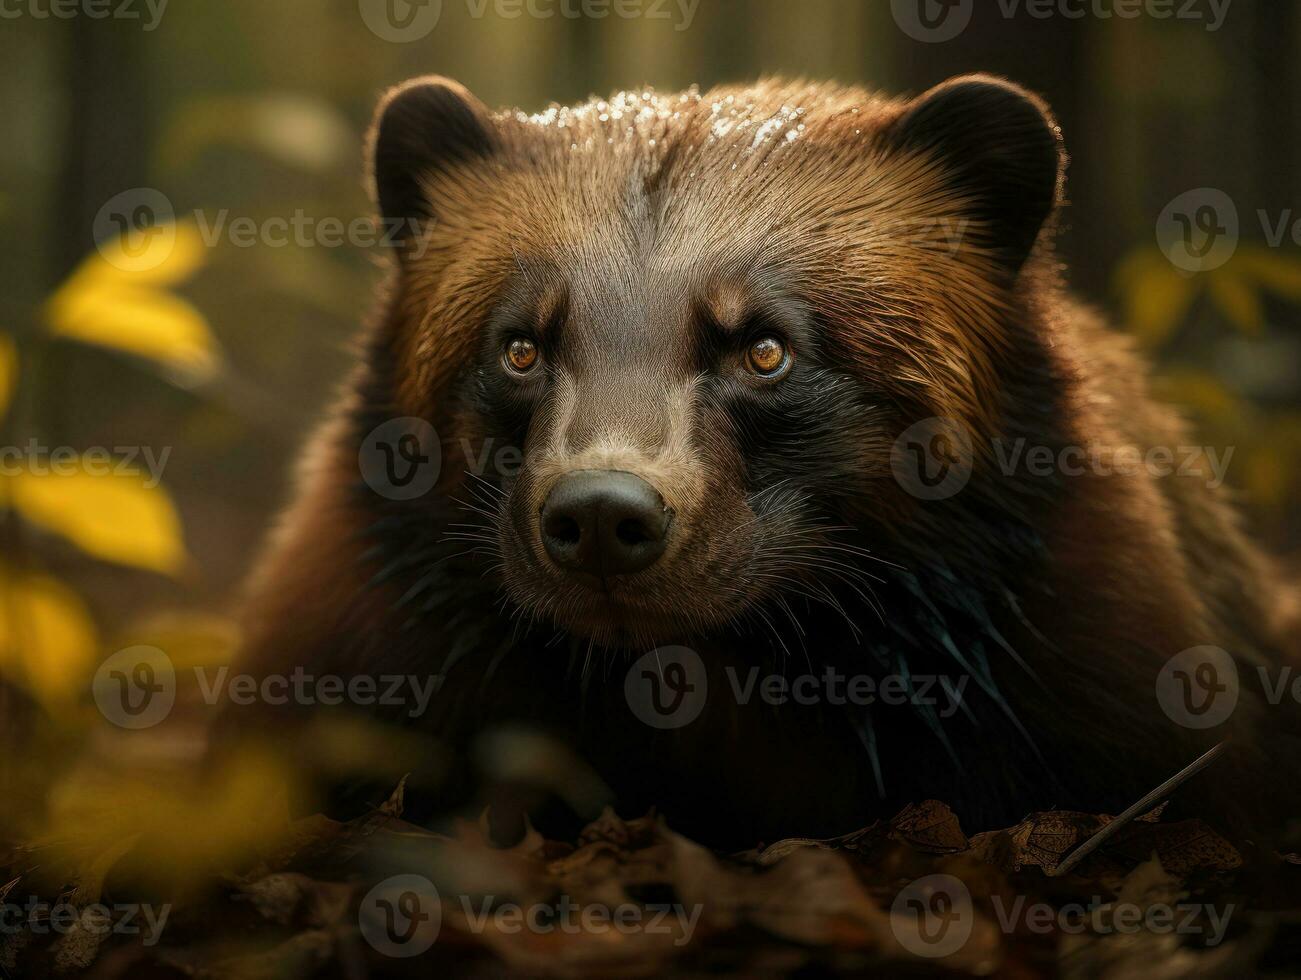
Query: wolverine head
<point>703,320</point>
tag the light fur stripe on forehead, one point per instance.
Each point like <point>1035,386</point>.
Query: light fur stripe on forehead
<point>674,468</point>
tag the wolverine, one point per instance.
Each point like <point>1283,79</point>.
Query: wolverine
<point>681,436</point>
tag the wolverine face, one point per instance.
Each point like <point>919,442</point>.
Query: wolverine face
<point>702,320</point>
<point>670,427</point>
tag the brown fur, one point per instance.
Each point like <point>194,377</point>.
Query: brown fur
<point>628,217</point>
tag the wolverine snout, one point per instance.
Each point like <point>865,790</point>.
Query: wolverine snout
<point>604,523</point>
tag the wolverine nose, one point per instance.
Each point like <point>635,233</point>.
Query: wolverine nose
<point>604,522</point>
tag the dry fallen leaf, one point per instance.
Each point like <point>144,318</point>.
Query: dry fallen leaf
<point>930,826</point>
<point>1040,840</point>
<point>798,904</point>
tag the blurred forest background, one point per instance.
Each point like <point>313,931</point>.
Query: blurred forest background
<point>224,355</point>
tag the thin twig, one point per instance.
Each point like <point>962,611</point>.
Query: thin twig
<point>1138,809</point>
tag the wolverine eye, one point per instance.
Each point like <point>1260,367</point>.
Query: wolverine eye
<point>768,358</point>
<point>521,355</point>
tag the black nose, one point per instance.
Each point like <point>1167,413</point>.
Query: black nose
<point>604,522</point>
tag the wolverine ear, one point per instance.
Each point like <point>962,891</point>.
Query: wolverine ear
<point>1003,149</point>
<point>422,127</point>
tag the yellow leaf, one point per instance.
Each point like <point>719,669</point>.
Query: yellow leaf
<point>90,881</point>
<point>1265,478</point>
<point>176,828</point>
<point>191,639</point>
<point>1199,391</point>
<point>145,322</point>
<point>1155,295</point>
<point>1277,271</point>
<point>1235,297</point>
<point>8,372</point>
<point>118,518</point>
<point>47,638</point>
<point>163,255</point>
<point>1271,468</point>
<point>290,128</point>
<point>115,299</point>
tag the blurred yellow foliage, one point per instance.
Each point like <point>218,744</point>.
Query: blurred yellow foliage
<point>165,255</point>
<point>1156,296</point>
<point>8,372</point>
<point>118,518</point>
<point>170,826</point>
<point>47,638</point>
<point>294,129</point>
<point>191,639</point>
<point>1280,272</point>
<point>1200,391</point>
<point>1270,469</point>
<point>117,299</point>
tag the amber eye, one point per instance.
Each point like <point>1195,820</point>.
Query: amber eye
<point>768,357</point>
<point>521,355</point>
